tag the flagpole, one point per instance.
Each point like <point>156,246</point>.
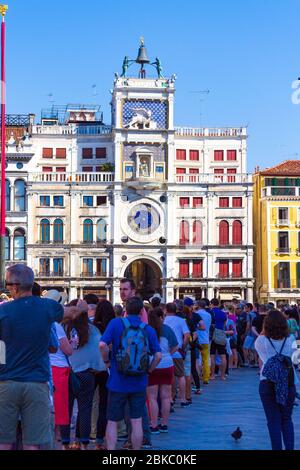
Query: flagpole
<point>3,10</point>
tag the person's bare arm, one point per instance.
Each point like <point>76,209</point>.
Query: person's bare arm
<point>104,349</point>
<point>201,326</point>
<point>186,339</point>
<point>156,360</point>
<point>66,347</point>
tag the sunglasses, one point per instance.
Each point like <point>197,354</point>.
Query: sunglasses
<point>8,284</point>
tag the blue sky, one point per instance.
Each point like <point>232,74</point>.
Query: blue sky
<point>247,53</point>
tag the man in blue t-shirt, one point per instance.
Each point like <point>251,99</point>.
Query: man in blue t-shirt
<point>219,318</point>
<point>25,328</point>
<point>122,388</point>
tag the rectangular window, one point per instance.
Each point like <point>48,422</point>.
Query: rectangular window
<point>88,201</point>
<point>61,153</point>
<point>47,153</point>
<point>180,154</point>
<point>61,169</point>
<point>231,155</point>
<point>180,171</point>
<point>101,152</point>
<point>219,155</point>
<point>47,169</point>
<point>44,267</point>
<point>88,267</point>
<point>284,281</point>
<point>237,202</point>
<point>58,201</point>
<point>231,172</point>
<point>283,215</point>
<point>45,201</point>
<point>184,269</point>
<point>224,202</point>
<point>58,267</point>
<point>87,169</point>
<point>194,155</point>
<point>101,201</point>
<point>197,202</point>
<point>223,269</point>
<point>194,171</point>
<point>87,153</point>
<point>198,269</point>
<point>237,268</point>
<point>184,202</point>
<point>283,242</point>
<point>101,265</point>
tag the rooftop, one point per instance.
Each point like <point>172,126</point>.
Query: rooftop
<point>286,168</point>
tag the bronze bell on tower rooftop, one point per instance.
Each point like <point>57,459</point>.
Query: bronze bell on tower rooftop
<point>142,55</point>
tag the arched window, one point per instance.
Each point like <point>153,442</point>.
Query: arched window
<point>101,231</point>
<point>224,233</point>
<point>184,233</point>
<point>197,233</point>
<point>87,231</point>
<point>7,245</point>
<point>19,244</point>
<point>237,233</point>
<point>45,231</point>
<point>58,231</point>
<point>7,195</point>
<point>20,193</point>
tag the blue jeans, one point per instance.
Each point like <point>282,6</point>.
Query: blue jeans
<point>279,417</point>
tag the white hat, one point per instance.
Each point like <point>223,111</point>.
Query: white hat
<point>60,297</point>
<point>156,296</point>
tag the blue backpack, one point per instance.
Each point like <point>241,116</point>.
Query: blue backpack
<point>280,371</point>
<point>133,353</point>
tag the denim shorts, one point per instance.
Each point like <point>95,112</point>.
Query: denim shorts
<point>117,402</point>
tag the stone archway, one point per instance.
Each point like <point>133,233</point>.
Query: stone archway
<point>147,275</point>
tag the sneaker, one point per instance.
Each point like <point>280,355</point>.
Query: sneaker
<point>185,404</point>
<point>146,444</point>
<point>163,428</point>
<point>154,430</point>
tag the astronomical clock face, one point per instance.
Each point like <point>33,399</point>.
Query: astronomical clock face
<point>143,219</point>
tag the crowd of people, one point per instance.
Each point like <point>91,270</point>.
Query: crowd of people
<point>128,366</point>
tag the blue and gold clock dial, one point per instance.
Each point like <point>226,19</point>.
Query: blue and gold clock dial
<point>144,219</point>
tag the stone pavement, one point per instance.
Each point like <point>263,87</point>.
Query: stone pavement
<point>214,415</point>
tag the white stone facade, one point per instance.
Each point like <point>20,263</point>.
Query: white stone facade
<point>133,214</point>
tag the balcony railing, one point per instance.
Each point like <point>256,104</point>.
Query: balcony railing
<point>283,251</point>
<point>102,177</point>
<point>210,132</point>
<point>55,130</point>
<point>283,222</point>
<point>93,130</point>
<point>189,276</point>
<point>49,274</point>
<point>214,179</point>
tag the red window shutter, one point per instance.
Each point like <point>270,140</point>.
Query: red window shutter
<point>224,202</point>
<point>237,268</point>
<point>237,202</point>
<point>184,268</point>
<point>197,233</point>
<point>184,202</point>
<point>194,155</point>
<point>180,171</point>
<point>194,171</point>
<point>61,169</point>
<point>224,233</point>
<point>237,236</point>
<point>47,153</point>
<point>101,152</point>
<point>180,154</point>
<point>47,169</point>
<point>197,202</point>
<point>87,153</point>
<point>87,169</point>
<point>231,172</point>
<point>218,172</point>
<point>224,268</point>
<point>219,155</point>
<point>231,155</point>
<point>61,153</point>
<point>198,269</point>
<point>184,236</point>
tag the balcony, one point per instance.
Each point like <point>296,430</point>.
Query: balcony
<point>210,132</point>
<point>93,275</point>
<point>190,276</point>
<point>54,130</point>
<point>93,130</point>
<point>283,251</point>
<point>48,274</point>
<point>280,191</point>
<point>209,178</point>
<point>76,178</point>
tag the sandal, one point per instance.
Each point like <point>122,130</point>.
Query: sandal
<point>75,446</point>
<point>100,447</point>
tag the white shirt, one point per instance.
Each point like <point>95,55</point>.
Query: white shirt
<point>203,335</point>
<point>180,328</point>
<point>265,350</point>
<point>59,358</point>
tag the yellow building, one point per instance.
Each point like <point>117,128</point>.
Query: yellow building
<point>276,227</point>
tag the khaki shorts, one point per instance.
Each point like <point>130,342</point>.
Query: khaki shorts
<point>178,367</point>
<point>30,403</point>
